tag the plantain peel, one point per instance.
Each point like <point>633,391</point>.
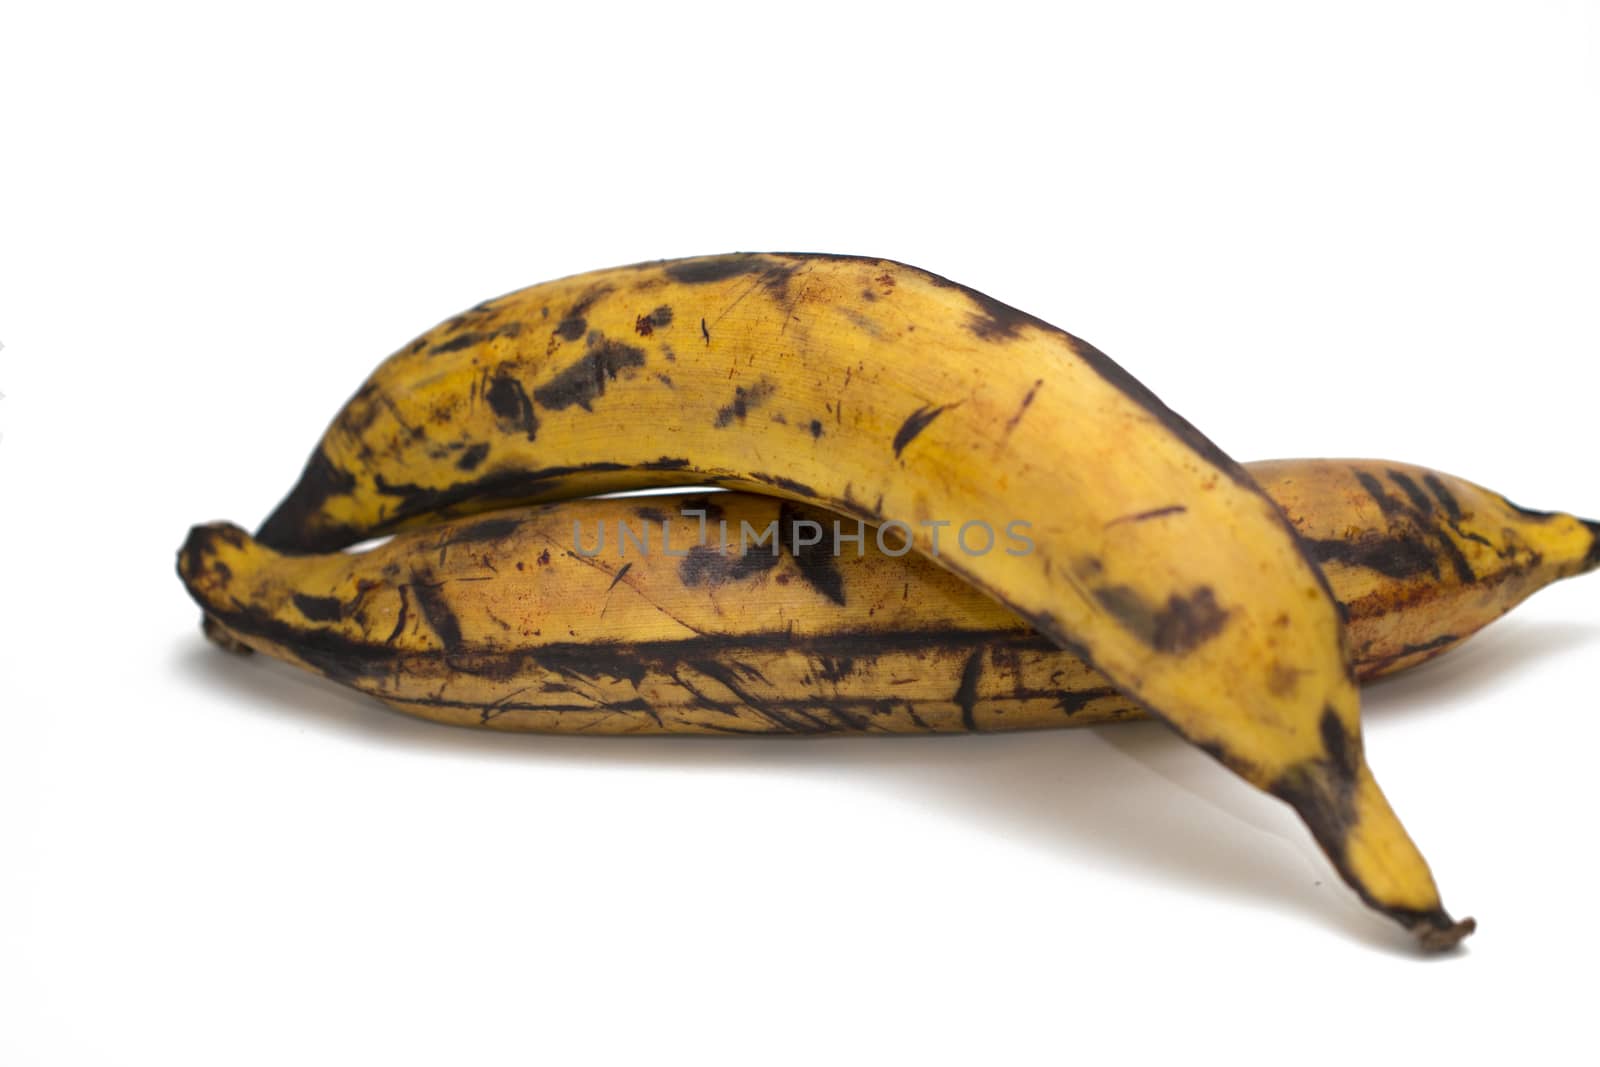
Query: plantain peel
<point>888,394</point>
<point>711,641</point>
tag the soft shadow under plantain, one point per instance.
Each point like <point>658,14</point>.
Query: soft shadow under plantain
<point>1131,797</point>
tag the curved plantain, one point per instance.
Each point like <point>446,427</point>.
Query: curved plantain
<point>892,395</point>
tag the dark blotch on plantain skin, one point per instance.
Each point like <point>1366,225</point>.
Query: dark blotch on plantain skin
<point>1181,625</point>
<point>706,565</point>
<point>915,423</point>
<point>744,400</point>
<point>967,691</point>
<point>318,608</point>
<point>1073,701</point>
<point>1442,494</point>
<point>1397,511</point>
<point>772,275</point>
<point>571,328</point>
<point>473,457</point>
<point>1413,491</point>
<point>815,562</point>
<point>476,337</point>
<point>645,325</point>
<point>291,526</point>
<point>582,382</point>
<point>1323,790</point>
<point>484,530</point>
<point>436,611</point>
<point>715,268</point>
<point>1404,556</point>
<point>511,406</point>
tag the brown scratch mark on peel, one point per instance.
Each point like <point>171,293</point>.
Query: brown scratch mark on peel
<point>704,332</point>
<point>621,573</point>
<point>794,302</point>
<point>1153,513</point>
<point>915,423</point>
<point>1011,423</point>
<point>599,566</point>
<point>400,621</point>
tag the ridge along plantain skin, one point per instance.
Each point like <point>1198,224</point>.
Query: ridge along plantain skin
<point>886,393</point>
<point>701,640</point>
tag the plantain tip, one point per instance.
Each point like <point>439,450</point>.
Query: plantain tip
<point>1440,933</point>
<point>1592,560</point>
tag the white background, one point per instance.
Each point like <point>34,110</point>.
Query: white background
<point>1356,228</point>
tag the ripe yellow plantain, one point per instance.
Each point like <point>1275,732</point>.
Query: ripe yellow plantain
<point>891,395</point>
<point>492,621</point>
<point>1157,557</point>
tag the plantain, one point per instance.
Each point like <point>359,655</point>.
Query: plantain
<point>891,395</point>
<point>491,621</point>
<point>1158,559</point>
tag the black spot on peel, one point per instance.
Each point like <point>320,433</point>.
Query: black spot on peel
<point>473,457</point>
<point>816,428</point>
<point>994,321</point>
<point>651,514</point>
<point>1322,790</point>
<point>1403,556</point>
<point>318,608</point>
<point>708,504</point>
<point>771,274</point>
<point>743,401</point>
<point>511,406</point>
<point>436,612</point>
<point>915,423</point>
<point>293,525</point>
<point>815,561</point>
<point>622,572</point>
<point>834,670</point>
<point>645,325</point>
<point>1175,628</point>
<point>468,340</point>
<point>713,268</point>
<point>708,566</point>
<point>1374,488</point>
<point>483,530</point>
<point>574,324</point>
<point>582,382</point>
<point>1413,491</point>
<point>967,691</point>
<point>1399,512</point>
<point>1442,494</point>
<point>705,333</point>
<point>1075,700</point>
